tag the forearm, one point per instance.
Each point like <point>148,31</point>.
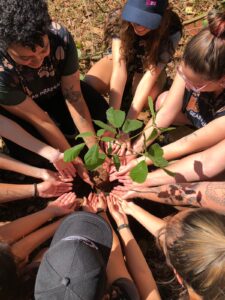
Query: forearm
<point>24,247</point>
<point>11,192</point>
<point>150,222</point>
<point>117,84</point>
<point>10,164</point>
<point>199,140</point>
<point>82,119</point>
<point>198,194</point>
<point>12,131</point>
<point>199,166</point>
<point>26,225</point>
<point>52,135</point>
<point>142,92</point>
<point>138,267</point>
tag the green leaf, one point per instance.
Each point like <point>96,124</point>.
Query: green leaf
<point>109,150</point>
<point>140,172</point>
<point>116,161</point>
<point>82,76</point>
<point>151,107</point>
<point>107,139</point>
<point>166,129</point>
<point>169,172</point>
<point>131,125</point>
<point>204,23</point>
<point>153,135</point>
<point>100,132</point>
<point>84,134</point>
<point>155,153</point>
<point>104,126</point>
<point>93,158</point>
<point>72,153</point>
<point>115,117</point>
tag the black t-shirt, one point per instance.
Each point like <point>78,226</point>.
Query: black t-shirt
<point>203,108</point>
<point>18,81</point>
<point>123,289</point>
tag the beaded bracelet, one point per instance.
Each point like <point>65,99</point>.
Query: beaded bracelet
<point>123,226</point>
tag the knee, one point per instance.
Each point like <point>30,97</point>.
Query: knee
<point>160,100</point>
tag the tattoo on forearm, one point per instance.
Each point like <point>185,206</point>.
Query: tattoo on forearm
<point>72,96</point>
<point>215,191</point>
<point>75,98</point>
<point>176,194</point>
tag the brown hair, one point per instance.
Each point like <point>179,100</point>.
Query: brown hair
<point>195,248</point>
<point>205,52</point>
<point>155,43</point>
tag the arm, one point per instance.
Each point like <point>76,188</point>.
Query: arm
<point>136,262</point>
<point>198,194</point>
<point>119,76</point>
<point>12,131</point>
<point>46,189</point>
<point>32,113</point>
<point>24,247</point>
<point>166,114</point>
<point>143,91</point>
<point>17,229</point>
<point>10,164</point>
<point>77,106</point>
<point>199,166</point>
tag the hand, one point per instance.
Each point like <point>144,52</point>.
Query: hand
<point>46,174</point>
<point>94,202</point>
<point>63,205</point>
<point>53,188</point>
<point>124,169</point>
<point>82,171</point>
<point>65,169</point>
<point>125,193</point>
<point>116,210</point>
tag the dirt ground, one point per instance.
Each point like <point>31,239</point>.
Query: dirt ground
<point>85,19</point>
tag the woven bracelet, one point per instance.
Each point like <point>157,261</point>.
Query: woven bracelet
<point>36,194</point>
<point>100,210</point>
<point>123,226</point>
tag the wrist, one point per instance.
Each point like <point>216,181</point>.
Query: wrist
<point>54,156</point>
<point>123,226</point>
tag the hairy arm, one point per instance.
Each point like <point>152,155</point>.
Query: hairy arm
<point>119,76</point>
<point>32,113</point>
<point>77,106</point>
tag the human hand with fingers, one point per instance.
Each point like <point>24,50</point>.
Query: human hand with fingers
<point>53,188</point>
<point>63,205</point>
<point>82,171</point>
<point>115,209</point>
<point>66,169</point>
<point>95,203</point>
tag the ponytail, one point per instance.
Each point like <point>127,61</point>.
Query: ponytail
<point>205,52</point>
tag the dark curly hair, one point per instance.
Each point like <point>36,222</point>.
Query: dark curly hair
<point>24,22</point>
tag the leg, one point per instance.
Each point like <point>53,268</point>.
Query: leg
<point>157,88</point>
<point>100,74</point>
<point>181,119</point>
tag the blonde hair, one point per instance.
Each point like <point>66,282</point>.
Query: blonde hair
<point>195,248</point>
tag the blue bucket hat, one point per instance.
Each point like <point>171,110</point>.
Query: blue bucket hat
<point>146,13</point>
